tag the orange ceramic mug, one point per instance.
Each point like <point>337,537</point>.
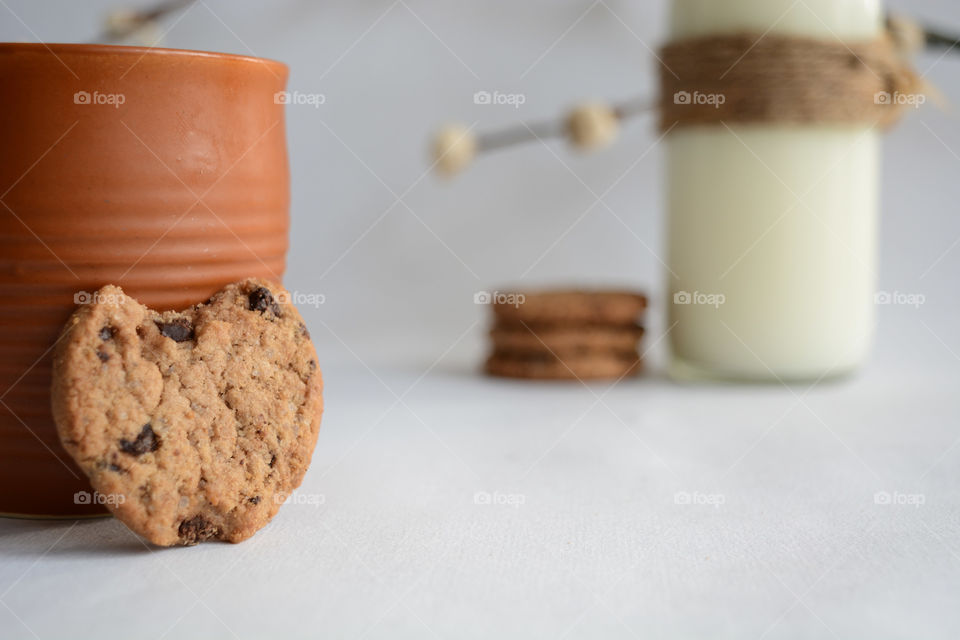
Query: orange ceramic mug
<point>162,171</point>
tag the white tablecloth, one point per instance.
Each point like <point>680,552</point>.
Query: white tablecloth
<point>474,508</point>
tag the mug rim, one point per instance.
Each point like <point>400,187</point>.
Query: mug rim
<point>67,47</point>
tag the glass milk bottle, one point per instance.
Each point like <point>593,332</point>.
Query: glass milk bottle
<point>772,227</point>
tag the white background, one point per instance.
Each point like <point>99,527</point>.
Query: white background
<point>599,547</point>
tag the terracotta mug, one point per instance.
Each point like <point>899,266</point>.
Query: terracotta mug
<point>162,171</point>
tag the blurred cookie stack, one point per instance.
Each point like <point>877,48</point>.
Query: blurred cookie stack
<point>566,335</point>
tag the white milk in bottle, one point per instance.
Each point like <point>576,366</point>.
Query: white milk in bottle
<point>772,227</point>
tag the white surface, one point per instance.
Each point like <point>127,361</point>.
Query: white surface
<point>772,229</point>
<point>398,545</point>
<point>598,548</point>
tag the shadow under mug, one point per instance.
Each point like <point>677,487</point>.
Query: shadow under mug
<point>162,171</point>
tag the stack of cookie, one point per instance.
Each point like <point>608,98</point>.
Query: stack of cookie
<point>566,335</point>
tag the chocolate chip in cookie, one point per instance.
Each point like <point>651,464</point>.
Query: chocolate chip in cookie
<point>197,529</point>
<point>262,300</point>
<point>145,442</point>
<point>178,329</point>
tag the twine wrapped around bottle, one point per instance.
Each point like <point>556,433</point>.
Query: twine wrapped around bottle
<point>740,79</point>
<point>782,79</point>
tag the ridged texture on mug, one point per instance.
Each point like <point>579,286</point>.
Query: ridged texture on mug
<point>177,191</point>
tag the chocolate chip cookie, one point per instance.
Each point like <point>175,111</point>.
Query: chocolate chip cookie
<point>566,334</point>
<point>571,306</point>
<point>573,367</point>
<point>192,425</point>
<point>563,340</point>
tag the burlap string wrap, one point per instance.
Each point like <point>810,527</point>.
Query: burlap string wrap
<point>750,78</point>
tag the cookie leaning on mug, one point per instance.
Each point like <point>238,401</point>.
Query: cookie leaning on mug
<point>191,425</point>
